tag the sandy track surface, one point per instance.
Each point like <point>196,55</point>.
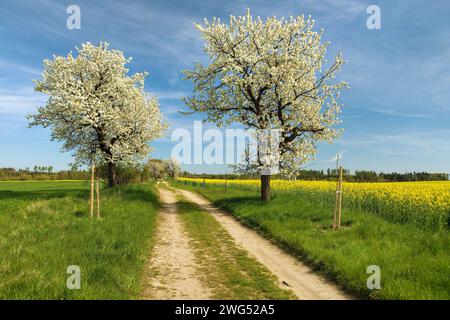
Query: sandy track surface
<point>301,279</point>
<point>171,271</point>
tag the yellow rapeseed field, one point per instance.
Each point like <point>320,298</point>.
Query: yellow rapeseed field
<point>420,202</point>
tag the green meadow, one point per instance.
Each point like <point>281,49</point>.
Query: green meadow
<point>414,262</point>
<point>45,228</point>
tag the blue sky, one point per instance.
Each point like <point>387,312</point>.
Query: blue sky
<point>396,114</point>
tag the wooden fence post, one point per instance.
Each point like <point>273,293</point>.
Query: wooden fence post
<point>337,214</point>
<point>98,199</point>
<point>335,207</point>
<point>92,191</point>
<point>340,198</point>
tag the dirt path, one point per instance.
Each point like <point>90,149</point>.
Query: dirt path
<point>303,281</point>
<point>171,272</point>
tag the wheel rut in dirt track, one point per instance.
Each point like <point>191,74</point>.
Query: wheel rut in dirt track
<point>171,271</point>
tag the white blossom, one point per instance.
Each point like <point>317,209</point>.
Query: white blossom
<point>95,108</point>
<point>270,75</point>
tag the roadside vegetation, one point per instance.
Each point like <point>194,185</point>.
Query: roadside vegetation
<point>227,269</point>
<point>414,261</point>
<point>44,228</point>
<point>426,204</point>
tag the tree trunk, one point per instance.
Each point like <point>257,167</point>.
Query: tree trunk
<point>111,175</point>
<point>265,188</point>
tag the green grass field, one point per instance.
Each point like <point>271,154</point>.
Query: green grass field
<point>44,228</point>
<point>414,263</point>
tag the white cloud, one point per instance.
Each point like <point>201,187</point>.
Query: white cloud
<point>20,101</point>
<point>399,113</point>
<point>434,142</point>
<point>11,67</point>
<point>337,8</point>
<point>169,94</point>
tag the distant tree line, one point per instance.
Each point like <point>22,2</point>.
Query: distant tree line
<point>169,169</point>
<point>372,176</point>
<point>331,174</point>
<point>42,173</point>
<point>134,173</point>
